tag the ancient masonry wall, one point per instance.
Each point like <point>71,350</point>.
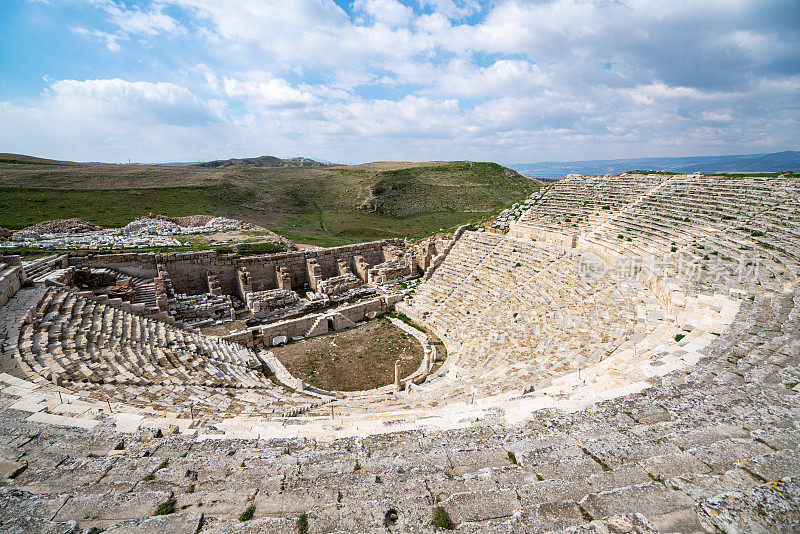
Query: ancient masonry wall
<point>11,279</point>
<point>10,259</point>
<point>187,270</point>
<point>262,336</point>
<point>433,263</point>
<point>548,236</point>
<point>132,264</point>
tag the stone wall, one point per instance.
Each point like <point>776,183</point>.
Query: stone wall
<point>430,264</point>
<point>263,268</point>
<point>263,335</point>
<point>188,270</point>
<point>132,264</point>
<point>10,259</point>
<point>561,239</point>
<point>11,279</point>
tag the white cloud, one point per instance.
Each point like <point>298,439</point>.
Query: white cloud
<point>110,119</point>
<point>389,12</point>
<point>409,117</point>
<point>279,21</point>
<point>138,21</point>
<point>113,100</point>
<point>111,40</point>
<point>717,116</point>
<point>272,92</point>
<point>503,77</point>
<point>453,9</point>
<point>648,94</point>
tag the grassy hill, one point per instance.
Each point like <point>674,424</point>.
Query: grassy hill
<point>318,205</point>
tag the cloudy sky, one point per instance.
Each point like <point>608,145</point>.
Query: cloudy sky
<point>366,80</point>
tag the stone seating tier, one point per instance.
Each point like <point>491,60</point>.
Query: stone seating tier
<point>110,354</point>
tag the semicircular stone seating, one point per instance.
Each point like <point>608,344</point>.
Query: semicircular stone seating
<point>624,359</point>
<point>93,348</point>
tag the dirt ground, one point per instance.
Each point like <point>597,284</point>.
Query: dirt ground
<point>353,360</point>
<point>225,328</point>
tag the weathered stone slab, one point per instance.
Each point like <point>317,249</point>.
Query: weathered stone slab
<point>10,468</point>
<point>648,499</point>
<point>105,509</point>
<point>624,475</point>
<point>26,525</point>
<point>551,516</point>
<point>773,507</point>
<point>293,502</point>
<point>674,464</point>
<point>230,502</point>
<point>16,503</point>
<point>553,491</point>
<point>274,525</point>
<point>727,454</point>
<point>481,505</point>
<point>179,523</point>
<point>623,524</point>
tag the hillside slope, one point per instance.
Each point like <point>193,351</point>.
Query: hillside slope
<point>320,205</point>
<point>263,161</point>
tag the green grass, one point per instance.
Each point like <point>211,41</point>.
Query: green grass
<point>302,524</point>
<point>342,228</point>
<point>594,457</point>
<point>166,507</point>
<point>404,318</point>
<point>23,162</point>
<point>326,206</point>
<point>247,515</point>
<point>111,208</point>
<point>442,519</point>
<point>586,515</point>
<point>258,248</point>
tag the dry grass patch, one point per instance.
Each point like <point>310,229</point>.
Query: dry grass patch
<point>353,360</point>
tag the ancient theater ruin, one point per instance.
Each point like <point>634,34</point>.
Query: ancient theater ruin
<point>621,356</point>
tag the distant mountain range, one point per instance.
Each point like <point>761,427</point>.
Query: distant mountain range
<point>263,161</point>
<point>776,162</point>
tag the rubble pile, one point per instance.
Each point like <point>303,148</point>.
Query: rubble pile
<point>63,226</point>
<point>146,232</point>
<point>152,226</point>
<point>164,226</point>
<point>512,214</point>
